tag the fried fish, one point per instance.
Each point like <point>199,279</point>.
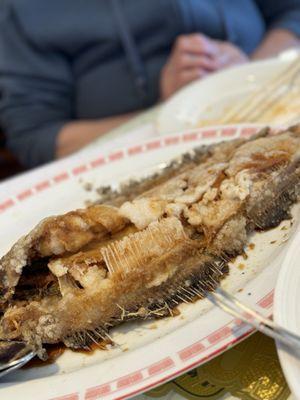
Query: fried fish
<point>153,245</point>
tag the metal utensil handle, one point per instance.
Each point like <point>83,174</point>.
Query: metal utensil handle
<point>17,364</point>
<point>234,307</point>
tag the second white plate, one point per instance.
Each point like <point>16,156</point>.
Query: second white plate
<point>209,99</point>
<point>287,310</point>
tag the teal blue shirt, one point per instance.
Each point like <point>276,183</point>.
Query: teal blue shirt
<point>62,60</point>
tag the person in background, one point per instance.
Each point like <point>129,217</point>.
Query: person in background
<point>70,70</point>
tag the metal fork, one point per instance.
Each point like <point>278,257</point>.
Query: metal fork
<point>263,99</point>
<point>13,355</point>
<point>231,305</point>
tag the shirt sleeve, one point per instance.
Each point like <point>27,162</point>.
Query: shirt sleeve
<point>35,91</point>
<point>283,14</point>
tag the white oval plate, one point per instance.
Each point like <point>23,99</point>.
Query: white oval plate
<point>209,99</point>
<point>287,310</point>
<point>148,353</point>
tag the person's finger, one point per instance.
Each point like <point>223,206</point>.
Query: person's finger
<point>224,59</point>
<point>189,60</point>
<point>230,55</point>
<point>196,43</point>
<point>189,75</point>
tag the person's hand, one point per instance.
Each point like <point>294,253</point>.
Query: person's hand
<point>195,56</point>
<point>228,54</point>
<point>192,57</point>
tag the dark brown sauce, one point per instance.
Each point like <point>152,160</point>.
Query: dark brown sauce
<point>94,347</point>
<point>54,351</point>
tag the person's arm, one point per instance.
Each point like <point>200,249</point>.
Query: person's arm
<point>282,19</point>
<point>35,90</point>
<point>76,134</point>
<point>275,41</point>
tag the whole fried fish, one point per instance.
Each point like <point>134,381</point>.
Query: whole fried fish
<point>154,245</point>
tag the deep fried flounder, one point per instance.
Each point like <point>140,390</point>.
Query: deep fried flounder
<point>76,275</point>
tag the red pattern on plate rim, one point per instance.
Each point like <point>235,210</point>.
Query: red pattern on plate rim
<point>189,137</point>
<point>248,131</point>
<point>191,351</point>
<point>61,177</point>
<point>161,366</point>
<point>210,133</point>
<point>6,204</point>
<point>267,301</point>
<point>155,144</point>
<point>42,186</point>
<point>212,339</point>
<point>172,140</point>
<point>129,380</point>
<point>98,162</point>
<point>25,194</point>
<point>135,150</point>
<point>79,170</point>
<point>219,335</point>
<point>72,396</point>
<point>118,155</point>
<point>93,393</point>
<point>228,132</point>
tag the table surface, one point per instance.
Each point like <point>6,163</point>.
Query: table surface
<point>251,369</point>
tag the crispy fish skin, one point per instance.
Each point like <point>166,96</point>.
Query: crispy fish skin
<point>161,248</point>
<point>135,187</point>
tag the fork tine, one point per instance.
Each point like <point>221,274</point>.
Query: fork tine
<point>251,104</point>
<point>26,357</point>
<point>17,364</point>
<point>12,353</point>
